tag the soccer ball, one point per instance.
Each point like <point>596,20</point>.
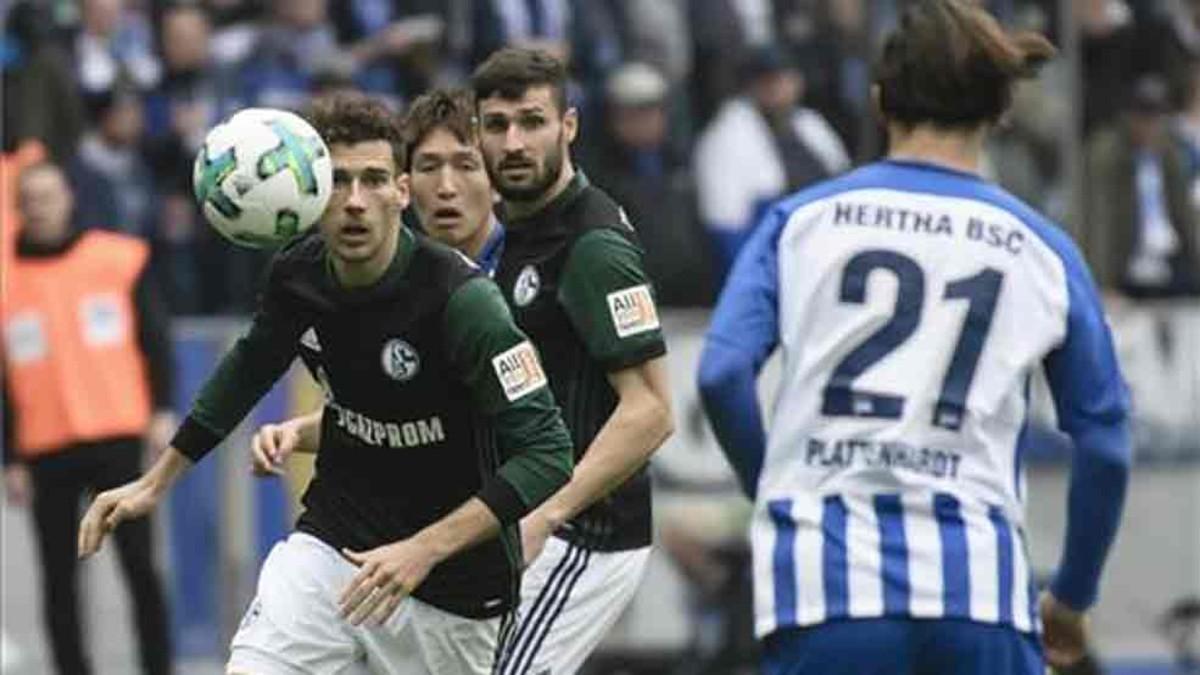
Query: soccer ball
<point>262,176</point>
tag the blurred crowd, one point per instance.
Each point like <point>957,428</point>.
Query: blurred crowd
<point>696,113</point>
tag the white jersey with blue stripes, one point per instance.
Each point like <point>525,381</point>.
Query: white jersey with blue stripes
<point>912,304</point>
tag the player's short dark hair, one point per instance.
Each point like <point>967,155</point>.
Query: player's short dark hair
<point>449,109</point>
<point>951,64</point>
<point>511,71</point>
<point>350,118</point>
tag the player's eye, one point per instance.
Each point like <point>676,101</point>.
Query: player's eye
<point>532,122</point>
<point>495,125</point>
<point>341,179</point>
<point>374,179</point>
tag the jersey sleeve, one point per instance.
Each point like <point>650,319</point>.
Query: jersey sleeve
<point>743,333</point>
<point>610,300</point>
<point>245,373</point>
<point>1093,409</point>
<point>504,373</point>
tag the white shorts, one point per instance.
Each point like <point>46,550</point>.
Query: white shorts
<point>293,627</point>
<point>570,597</point>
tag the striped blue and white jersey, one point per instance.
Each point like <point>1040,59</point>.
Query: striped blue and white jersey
<point>912,304</point>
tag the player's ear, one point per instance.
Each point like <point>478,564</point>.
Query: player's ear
<point>571,125</point>
<point>403,189</point>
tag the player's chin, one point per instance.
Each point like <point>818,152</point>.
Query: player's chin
<point>353,252</point>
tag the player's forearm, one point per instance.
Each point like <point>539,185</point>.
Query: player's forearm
<point>466,526</point>
<point>309,429</point>
<point>1099,477</point>
<point>624,444</point>
<point>727,389</point>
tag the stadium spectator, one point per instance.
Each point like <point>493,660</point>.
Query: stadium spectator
<point>394,46</point>
<point>543,24</point>
<point>1139,225</point>
<point>656,32</point>
<point>718,46</point>
<point>112,182</point>
<point>87,370</point>
<point>830,41</point>
<point>296,41</point>
<point>41,101</point>
<point>1187,127</point>
<point>888,533</point>
<point>196,92</point>
<point>646,170</point>
<point>760,146</point>
<point>114,44</point>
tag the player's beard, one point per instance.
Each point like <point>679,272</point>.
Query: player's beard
<point>551,169</point>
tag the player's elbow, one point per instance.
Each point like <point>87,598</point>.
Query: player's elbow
<point>1106,447</point>
<point>660,419</point>
<point>720,370</point>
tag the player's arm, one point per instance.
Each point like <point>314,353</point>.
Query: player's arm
<point>743,333</point>
<point>1093,408</point>
<point>273,443</point>
<point>609,300</point>
<point>501,368</point>
<point>243,376</point>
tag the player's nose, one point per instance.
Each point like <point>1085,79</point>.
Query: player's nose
<point>355,201</point>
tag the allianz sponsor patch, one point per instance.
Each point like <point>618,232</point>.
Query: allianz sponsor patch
<point>519,371</point>
<point>633,310</point>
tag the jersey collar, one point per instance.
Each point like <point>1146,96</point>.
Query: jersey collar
<point>489,256</point>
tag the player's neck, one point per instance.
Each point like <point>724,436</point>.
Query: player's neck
<point>360,273</point>
<point>518,210</point>
<point>959,150</point>
<point>474,246</point>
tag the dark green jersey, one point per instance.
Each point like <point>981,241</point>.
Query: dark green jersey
<point>574,277</point>
<point>435,396</point>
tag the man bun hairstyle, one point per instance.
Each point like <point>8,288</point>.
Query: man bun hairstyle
<point>951,64</point>
<point>511,71</point>
<point>449,109</point>
<point>350,118</point>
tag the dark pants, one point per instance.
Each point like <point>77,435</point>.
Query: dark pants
<point>60,483</point>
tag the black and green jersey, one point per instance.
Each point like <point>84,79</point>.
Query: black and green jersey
<point>574,277</point>
<point>435,396</point>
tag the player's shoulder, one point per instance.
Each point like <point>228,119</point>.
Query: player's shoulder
<point>441,267</point>
<point>301,256</point>
<point>595,209</point>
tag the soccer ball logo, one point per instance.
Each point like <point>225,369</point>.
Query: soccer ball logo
<point>262,177</point>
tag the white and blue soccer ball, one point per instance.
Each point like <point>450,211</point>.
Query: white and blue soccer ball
<point>262,177</point>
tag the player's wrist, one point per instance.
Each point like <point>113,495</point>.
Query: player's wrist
<point>160,477</point>
<point>435,546</point>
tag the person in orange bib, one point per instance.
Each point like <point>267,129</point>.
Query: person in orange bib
<point>87,384</point>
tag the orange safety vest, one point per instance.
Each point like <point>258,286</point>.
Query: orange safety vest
<point>74,367</point>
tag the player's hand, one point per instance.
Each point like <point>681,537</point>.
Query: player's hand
<point>132,500</point>
<point>18,486</point>
<point>535,530</point>
<point>271,446</point>
<point>386,575</point>
<point>1064,632</point>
